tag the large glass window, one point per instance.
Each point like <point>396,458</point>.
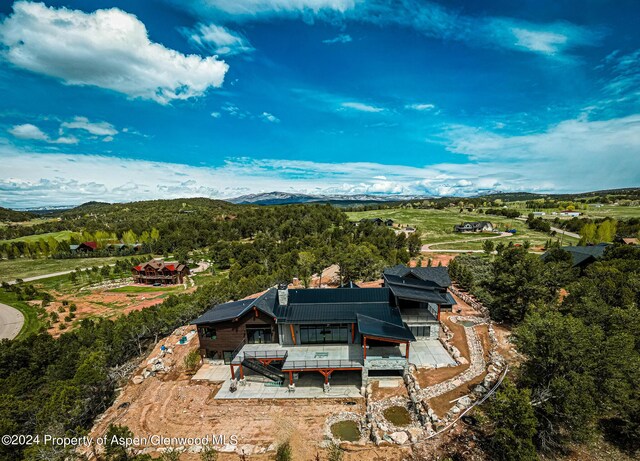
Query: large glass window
<point>258,335</point>
<point>208,332</point>
<point>324,334</point>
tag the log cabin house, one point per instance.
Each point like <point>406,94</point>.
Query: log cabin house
<point>157,271</point>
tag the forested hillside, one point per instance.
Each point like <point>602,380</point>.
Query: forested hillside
<point>8,215</point>
<point>581,373</point>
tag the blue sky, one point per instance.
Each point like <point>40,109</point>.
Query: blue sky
<point>118,101</point>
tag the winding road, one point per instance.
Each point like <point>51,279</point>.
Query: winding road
<point>427,248</point>
<point>11,321</point>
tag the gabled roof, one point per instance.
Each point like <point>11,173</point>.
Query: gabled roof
<point>584,254</point>
<point>368,326</point>
<point>159,264</point>
<point>417,294</point>
<point>437,275</point>
<point>236,309</point>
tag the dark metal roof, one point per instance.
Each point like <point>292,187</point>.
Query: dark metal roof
<point>374,327</point>
<point>338,295</point>
<point>450,299</point>
<point>437,275</point>
<point>235,309</point>
<point>417,294</point>
<point>583,254</point>
<point>338,312</point>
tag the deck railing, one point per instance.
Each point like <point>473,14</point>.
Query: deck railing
<point>273,354</point>
<point>306,364</point>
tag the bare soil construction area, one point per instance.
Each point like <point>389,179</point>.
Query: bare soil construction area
<point>102,303</point>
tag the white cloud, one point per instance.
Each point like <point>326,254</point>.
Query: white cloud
<point>539,41</point>
<point>108,49</point>
<point>270,7</point>
<point>269,117</point>
<point>342,38</point>
<point>216,114</point>
<point>420,107</point>
<point>434,20</point>
<point>235,111</point>
<point>95,128</point>
<point>28,131</point>
<point>574,155</point>
<point>219,39</point>
<point>361,107</point>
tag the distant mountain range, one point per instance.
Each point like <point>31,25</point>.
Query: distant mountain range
<point>283,198</point>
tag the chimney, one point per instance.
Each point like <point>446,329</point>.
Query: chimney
<point>283,294</point>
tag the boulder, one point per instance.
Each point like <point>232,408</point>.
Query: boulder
<point>137,379</point>
<point>480,389</point>
<point>400,437</point>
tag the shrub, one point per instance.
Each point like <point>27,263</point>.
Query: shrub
<point>284,452</point>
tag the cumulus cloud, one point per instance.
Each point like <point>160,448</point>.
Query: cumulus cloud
<point>359,106</point>
<point>420,107</point>
<point>28,131</point>
<point>218,39</point>
<point>108,49</point>
<point>342,38</point>
<point>266,116</point>
<point>95,128</point>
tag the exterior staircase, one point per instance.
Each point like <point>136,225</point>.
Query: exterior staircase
<point>268,371</point>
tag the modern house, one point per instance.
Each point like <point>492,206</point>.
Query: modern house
<point>284,332</point>
<point>582,256</point>
<point>477,226</point>
<point>379,221</point>
<point>119,247</point>
<point>157,271</point>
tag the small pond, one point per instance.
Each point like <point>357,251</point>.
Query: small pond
<point>346,430</point>
<point>398,416</point>
<point>467,323</point>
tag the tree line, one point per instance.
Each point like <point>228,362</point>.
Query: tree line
<point>580,336</point>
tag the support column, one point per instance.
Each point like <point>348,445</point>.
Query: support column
<point>353,333</point>
<point>233,375</point>
<point>241,372</point>
<point>407,352</point>
<point>365,347</point>
<point>293,334</point>
<point>292,387</point>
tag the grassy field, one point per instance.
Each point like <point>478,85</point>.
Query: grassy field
<point>436,226</point>
<point>62,235</point>
<point>31,321</point>
<point>613,211</point>
<point>22,268</point>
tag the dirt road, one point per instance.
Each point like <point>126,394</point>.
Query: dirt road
<point>11,321</point>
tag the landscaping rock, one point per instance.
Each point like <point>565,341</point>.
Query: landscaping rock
<point>400,437</point>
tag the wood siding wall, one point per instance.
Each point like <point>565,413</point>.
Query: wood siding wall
<point>230,334</point>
